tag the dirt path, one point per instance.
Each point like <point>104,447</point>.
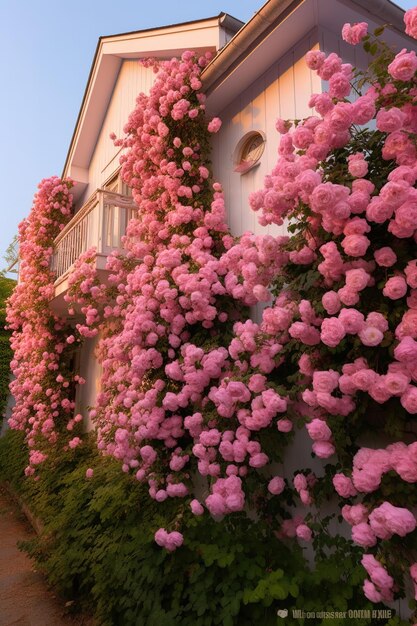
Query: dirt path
<point>25,599</point>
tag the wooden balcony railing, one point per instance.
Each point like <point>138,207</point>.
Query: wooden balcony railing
<point>101,223</point>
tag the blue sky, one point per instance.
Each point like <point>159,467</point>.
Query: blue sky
<point>46,52</point>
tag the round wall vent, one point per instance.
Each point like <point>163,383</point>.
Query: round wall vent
<point>249,151</point>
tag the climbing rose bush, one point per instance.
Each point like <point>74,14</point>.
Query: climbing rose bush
<point>169,408</point>
<point>200,401</point>
<point>350,285</point>
<point>44,382</point>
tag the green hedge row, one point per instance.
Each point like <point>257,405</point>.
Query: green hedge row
<point>97,548</point>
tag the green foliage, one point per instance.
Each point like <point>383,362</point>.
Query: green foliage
<point>97,548</point>
<point>11,256</point>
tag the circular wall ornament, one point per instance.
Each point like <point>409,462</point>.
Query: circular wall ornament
<point>249,151</point>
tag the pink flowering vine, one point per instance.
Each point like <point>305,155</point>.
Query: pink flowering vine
<point>194,391</point>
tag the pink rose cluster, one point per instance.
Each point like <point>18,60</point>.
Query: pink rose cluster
<point>354,34</point>
<point>227,496</point>
<point>380,587</point>
<point>296,527</point>
<point>170,541</point>
<point>382,523</point>
<point>190,384</point>
<point>40,340</point>
<point>303,485</point>
<point>182,276</point>
<point>356,322</point>
<point>369,465</point>
<point>410,20</point>
<point>256,260</point>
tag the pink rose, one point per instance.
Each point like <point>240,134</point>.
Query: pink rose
<point>410,20</point>
<point>370,591</point>
<point>357,166</point>
<point>363,110</point>
<point>363,379</point>
<point>395,383</point>
<point>214,125</point>
<point>261,293</point>
<point>354,34</point>
<point>348,296</point>
<point>323,104</point>
<point>315,59</point>
<point>196,507</point>
<point>344,486</point>
<point>355,245</point>
<point>409,399</point>
<point>276,485</point>
<point>357,279</point>
<point>365,481</point>
<point>385,257</point>
<point>379,210</point>
<point>283,126</point>
<point>339,87</point>
<point>353,321</point>
<point>356,514</point>
<point>406,351</point>
<point>408,325</point>
<point>332,332</point>
<point>323,449</point>
<point>396,520</point>
<point>325,381</point>
<point>300,482</point>
<point>395,288</point>
<point>411,273</point>
<point>303,532</point>
<point>389,120</point>
<point>413,571</point>
<point>331,65</point>
<point>404,65</point>
<point>363,535</point>
<point>371,336</point>
<point>331,302</point>
<point>377,320</point>
<point>284,425</point>
<point>319,430</point>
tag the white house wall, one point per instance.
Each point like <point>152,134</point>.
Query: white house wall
<point>133,78</point>
<point>90,369</point>
<point>282,91</point>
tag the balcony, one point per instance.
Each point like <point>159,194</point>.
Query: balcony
<point>100,223</point>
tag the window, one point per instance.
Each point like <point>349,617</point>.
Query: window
<point>248,151</point>
<point>114,184</point>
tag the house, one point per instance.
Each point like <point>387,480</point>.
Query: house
<point>256,75</point>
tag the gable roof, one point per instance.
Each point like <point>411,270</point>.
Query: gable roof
<point>162,42</point>
<point>243,53</point>
<point>274,29</point>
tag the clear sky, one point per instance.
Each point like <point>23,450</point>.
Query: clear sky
<point>46,50</point>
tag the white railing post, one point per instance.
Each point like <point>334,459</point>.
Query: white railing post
<point>100,223</point>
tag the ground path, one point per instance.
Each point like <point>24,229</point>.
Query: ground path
<point>25,599</point>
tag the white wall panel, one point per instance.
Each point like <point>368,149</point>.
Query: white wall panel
<point>282,91</point>
<point>91,371</point>
<point>133,79</point>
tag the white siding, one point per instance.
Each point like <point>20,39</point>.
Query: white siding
<point>91,371</point>
<point>282,91</point>
<point>332,42</point>
<point>133,79</point>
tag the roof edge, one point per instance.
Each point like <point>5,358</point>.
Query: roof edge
<point>223,19</point>
<point>220,17</point>
<point>264,19</point>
